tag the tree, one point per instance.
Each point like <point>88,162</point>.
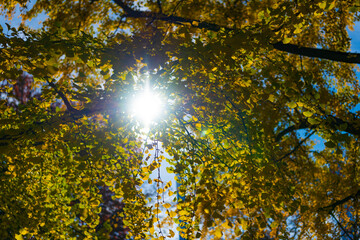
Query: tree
<point>248,85</point>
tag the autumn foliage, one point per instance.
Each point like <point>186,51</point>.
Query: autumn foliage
<point>260,122</point>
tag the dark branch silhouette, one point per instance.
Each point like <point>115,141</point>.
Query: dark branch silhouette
<point>331,207</point>
<point>10,136</point>
<point>302,125</point>
<point>332,122</point>
<point>295,148</point>
<point>130,13</point>
<point>318,53</point>
<point>63,97</point>
<point>341,226</point>
<point>336,56</point>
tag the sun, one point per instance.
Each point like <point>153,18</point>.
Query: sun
<point>147,107</point>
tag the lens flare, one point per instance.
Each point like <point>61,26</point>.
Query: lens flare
<point>147,107</point>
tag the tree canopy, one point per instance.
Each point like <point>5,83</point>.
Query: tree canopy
<point>252,88</point>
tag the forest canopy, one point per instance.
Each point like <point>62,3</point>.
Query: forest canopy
<point>250,90</point>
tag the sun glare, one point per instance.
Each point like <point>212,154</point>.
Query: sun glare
<point>147,107</point>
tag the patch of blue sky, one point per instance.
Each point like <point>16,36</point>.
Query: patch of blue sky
<point>16,20</point>
<point>355,38</point>
<point>355,47</point>
<point>318,141</point>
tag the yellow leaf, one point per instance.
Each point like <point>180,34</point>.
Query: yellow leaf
<point>23,231</point>
<point>183,212</point>
<point>171,232</point>
<point>218,233</point>
<point>292,105</point>
<point>95,203</point>
<point>226,225</point>
<point>168,184</point>
<point>145,177</point>
<point>152,230</point>
<point>172,214</point>
<point>332,5</point>
<point>11,168</point>
<point>271,98</point>
<point>286,40</point>
<point>297,30</point>
<point>195,23</point>
<point>313,121</point>
<point>300,104</point>
<point>316,13</point>
<point>322,5</point>
<point>167,205</point>
<point>249,63</point>
<point>18,237</point>
<point>307,114</point>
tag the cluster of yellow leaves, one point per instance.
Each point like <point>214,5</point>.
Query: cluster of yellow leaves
<point>243,171</point>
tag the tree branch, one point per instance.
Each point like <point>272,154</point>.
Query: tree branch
<point>63,97</point>
<point>330,121</point>
<point>338,124</point>
<point>168,18</point>
<point>302,125</point>
<point>296,147</point>
<point>10,136</point>
<point>331,207</point>
<point>125,7</point>
<point>341,226</point>
<point>159,5</point>
<point>318,53</point>
<point>336,56</point>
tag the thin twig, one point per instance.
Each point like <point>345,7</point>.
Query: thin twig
<point>63,97</point>
<point>295,148</point>
<point>159,5</point>
<point>341,226</point>
<point>331,207</point>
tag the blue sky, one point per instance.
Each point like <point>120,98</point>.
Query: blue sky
<point>355,38</point>
<point>355,47</point>
<point>16,20</point>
